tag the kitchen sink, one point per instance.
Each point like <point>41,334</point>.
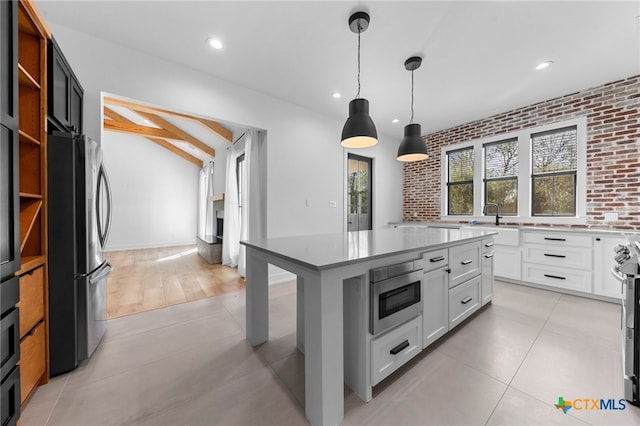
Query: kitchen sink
<point>506,236</point>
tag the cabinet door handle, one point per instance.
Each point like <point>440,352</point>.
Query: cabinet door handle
<point>448,270</point>
<point>562,256</point>
<point>402,346</point>
<point>488,256</point>
<point>555,239</point>
<point>467,300</point>
<point>557,277</point>
<point>488,245</point>
<point>436,259</point>
<point>466,262</point>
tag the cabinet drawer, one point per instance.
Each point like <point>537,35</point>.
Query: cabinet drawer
<point>31,299</point>
<point>435,259</point>
<point>10,398</point>
<point>463,301</point>
<point>32,360</point>
<point>569,257</point>
<point>487,245</point>
<point>391,350</point>
<point>9,294</point>
<point>10,342</point>
<point>555,276</point>
<point>464,262</point>
<point>556,239</point>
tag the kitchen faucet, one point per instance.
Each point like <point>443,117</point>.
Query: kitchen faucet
<point>498,217</point>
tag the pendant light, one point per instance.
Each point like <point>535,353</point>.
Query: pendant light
<point>359,130</point>
<point>412,147</point>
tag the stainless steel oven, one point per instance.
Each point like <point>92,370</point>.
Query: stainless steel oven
<point>627,271</point>
<point>395,294</point>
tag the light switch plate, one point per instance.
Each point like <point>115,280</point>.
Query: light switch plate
<point>610,217</point>
<point>333,204</point>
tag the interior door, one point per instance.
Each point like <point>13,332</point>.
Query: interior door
<point>359,193</point>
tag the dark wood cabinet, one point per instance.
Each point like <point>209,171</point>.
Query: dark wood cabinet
<point>9,205</point>
<point>65,92</point>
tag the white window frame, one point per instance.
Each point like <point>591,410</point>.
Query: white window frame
<point>524,175</point>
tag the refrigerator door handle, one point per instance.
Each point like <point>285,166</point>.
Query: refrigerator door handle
<point>106,269</point>
<point>103,265</point>
<point>102,179</point>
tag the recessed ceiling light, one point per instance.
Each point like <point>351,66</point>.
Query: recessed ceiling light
<point>543,65</point>
<point>214,42</point>
<point>395,121</point>
<point>336,95</point>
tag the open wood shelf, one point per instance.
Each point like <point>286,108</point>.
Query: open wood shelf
<point>25,78</point>
<point>29,213</point>
<point>28,195</point>
<point>25,138</point>
<point>27,263</point>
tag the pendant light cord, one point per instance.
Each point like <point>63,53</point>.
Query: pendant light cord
<point>411,121</point>
<point>359,31</point>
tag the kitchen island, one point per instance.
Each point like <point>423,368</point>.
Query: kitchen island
<point>322,263</point>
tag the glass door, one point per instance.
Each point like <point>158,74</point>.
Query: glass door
<point>359,193</point>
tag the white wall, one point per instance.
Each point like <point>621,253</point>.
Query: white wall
<point>305,159</point>
<point>154,194</point>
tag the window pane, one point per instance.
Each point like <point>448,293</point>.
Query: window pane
<point>555,151</point>
<point>554,195</point>
<point>461,198</point>
<point>501,159</point>
<point>505,194</point>
<point>461,165</point>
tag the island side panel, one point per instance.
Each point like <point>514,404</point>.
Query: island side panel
<point>257,297</point>
<point>323,341</point>
<point>300,314</point>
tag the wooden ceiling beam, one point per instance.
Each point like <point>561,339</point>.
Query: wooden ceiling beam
<point>214,126</point>
<point>117,120</point>
<point>180,134</point>
<point>137,129</point>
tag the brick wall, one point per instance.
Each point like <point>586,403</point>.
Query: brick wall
<point>613,152</point>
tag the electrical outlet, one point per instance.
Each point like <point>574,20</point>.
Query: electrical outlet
<point>307,203</point>
<point>610,217</point>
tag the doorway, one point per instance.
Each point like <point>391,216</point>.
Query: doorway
<point>359,193</point>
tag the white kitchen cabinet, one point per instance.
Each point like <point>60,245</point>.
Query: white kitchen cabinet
<point>394,348</point>
<point>487,268</point>
<point>556,276</point>
<point>463,301</point>
<point>464,262</point>
<point>435,314</point>
<point>604,284</point>
<point>507,262</point>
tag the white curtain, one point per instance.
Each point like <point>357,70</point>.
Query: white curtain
<point>231,224</point>
<point>253,223</point>
<point>206,212</point>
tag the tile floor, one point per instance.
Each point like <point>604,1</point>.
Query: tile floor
<point>189,364</point>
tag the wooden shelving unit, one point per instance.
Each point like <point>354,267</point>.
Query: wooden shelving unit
<point>33,305</point>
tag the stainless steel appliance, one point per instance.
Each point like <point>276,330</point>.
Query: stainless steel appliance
<point>627,271</point>
<point>396,292</point>
<point>79,220</point>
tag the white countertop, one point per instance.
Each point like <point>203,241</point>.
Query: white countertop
<point>326,251</point>
<point>553,228</point>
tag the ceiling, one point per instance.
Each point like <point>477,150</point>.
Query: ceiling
<point>479,57</point>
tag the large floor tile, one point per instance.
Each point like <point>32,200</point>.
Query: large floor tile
<point>499,343</point>
<point>256,399</point>
<point>42,403</point>
<point>518,408</point>
<point>530,305</point>
<point>592,320</point>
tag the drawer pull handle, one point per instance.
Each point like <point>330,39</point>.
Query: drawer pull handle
<point>402,346</point>
<point>467,300</point>
<point>436,259</point>
<point>488,245</point>
<point>555,276</point>
<point>555,239</point>
<point>488,256</point>
<point>561,256</point>
<point>466,262</point>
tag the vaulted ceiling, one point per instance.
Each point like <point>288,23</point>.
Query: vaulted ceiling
<point>178,132</point>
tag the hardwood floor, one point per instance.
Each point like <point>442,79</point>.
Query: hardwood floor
<point>148,279</point>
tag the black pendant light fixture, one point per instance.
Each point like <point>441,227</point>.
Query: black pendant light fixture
<point>412,147</point>
<point>359,130</point>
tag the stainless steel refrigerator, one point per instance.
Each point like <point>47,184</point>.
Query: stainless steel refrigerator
<point>79,220</point>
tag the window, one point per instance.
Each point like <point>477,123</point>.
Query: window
<point>554,165</point>
<point>460,181</point>
<point>501,175</point>
<point>535,175</point>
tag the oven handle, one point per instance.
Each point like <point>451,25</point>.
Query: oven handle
<point>616,275</point>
